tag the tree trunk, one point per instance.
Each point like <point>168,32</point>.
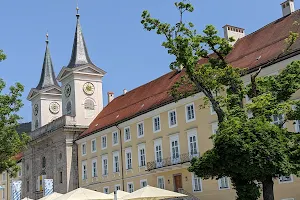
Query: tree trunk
<point>268,193</point>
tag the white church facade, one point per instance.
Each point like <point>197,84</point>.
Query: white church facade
<point>60,112</point>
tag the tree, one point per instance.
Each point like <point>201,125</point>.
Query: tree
<point>11,143</point>
<point>2,55</point>
<point>249,151</point>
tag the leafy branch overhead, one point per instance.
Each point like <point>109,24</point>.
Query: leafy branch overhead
<point>248,149</point>
<point>2,55</point>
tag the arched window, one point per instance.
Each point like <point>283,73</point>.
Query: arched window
<point>44,162</point>
<point>89,107</point>
<point>69,107</point>
<point>36,125</point>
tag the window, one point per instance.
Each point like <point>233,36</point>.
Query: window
<point>278,119</point>
<point>83,149</point>
<point>214,127</point>
<point>248,99</point>
<point>4,176</point>
<point>94,146</point>
<point>127,134</point>
<point>27,186</point>
<point>36,124</point>
<point>286,179</point>
<point>117,187</point>
<point>140,129</point>
<point>84,170</point>
<point>104,141</point>
<point>175,152</point>
<point>60,177</point>
<point>116,162</point>
<point>212,110</point>
<point>130,187</point>
<point>172,118</point>
<point>89,108</point>
<point>193,143</point>
<point>158,152</point>
<point>249,114</point>
<point>161,182</point>
<point>104,165</point>
<point>3,194</point>
<point>142,156</point>
<point>190,112</point>
<point>43,162</point>
<point>297,126</point>
<point>106,190</point>
<point>143,183</point>
<point>128,158</point>
<point>288,199</point>
<point>115,138</point>
<point>197,184</point>
<point>69,107</point>
<point>156,124</point>
<point>223,183</point>
<point>94,168</point>
<point>20,172</point>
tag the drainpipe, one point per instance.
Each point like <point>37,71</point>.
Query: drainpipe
<point>121,158</point>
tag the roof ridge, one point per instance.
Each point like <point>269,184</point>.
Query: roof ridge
<point>270,24</point>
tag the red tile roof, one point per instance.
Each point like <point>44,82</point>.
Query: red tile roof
<point>263,47</point>
<point>18,157</point>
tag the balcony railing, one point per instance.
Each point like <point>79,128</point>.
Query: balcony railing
<point>170,161</point>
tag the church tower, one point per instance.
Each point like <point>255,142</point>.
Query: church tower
<point>81,81</point>
<point>46,96</point>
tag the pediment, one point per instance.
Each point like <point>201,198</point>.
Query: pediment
<point>33,92</point>
<point>53,91</point>
<point>90,69</point>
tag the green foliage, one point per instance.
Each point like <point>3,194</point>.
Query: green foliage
<point>249,151</point>
<point>11,143</point>
<point>2,55</point>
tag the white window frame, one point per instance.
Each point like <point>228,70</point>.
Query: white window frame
<point>128,183</point>
<point>106,188</point>
<point>104,157</point>
<point>193,183</point>
<point>212,111</point>
<point>214,127</point>
<point>283,182</point>
<point>186,112</point>
<point>93,150</point>
<point>113,138</point>
<point>288,199</point>
<point>283,116</point>
<point>163,180</point>
<point>119,186</point>
<point>84,172</point>
<point>174,138</point>
<point>142,146</point>
<point>169,118</point>
<point>153,123</point>
<point>128,150</point>
<point>220,183</point>
<point>83,146</point>
<point>297,126</point>
<point>4,176</point>
<point>116,154</point>
<point>94,161</point>
<point>192,133</point>
<point>143,180</point>
<point>102,147</point>
<point>125,139</point>
<point>138,130</point>
<point>158,142</point>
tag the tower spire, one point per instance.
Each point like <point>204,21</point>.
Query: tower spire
<point>47,76</point>
<point>80,54</point>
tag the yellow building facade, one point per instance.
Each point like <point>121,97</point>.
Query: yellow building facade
<point>6,182</point>
<point>155,149</point>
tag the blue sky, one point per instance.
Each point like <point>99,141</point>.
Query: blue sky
<point>115,38</point>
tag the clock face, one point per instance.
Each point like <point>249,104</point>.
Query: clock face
<point>88,88</point>
<point>67,90</point>
<point>35,109</point>
<point>54,107</point>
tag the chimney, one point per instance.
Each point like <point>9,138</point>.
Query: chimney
<point>110,96</point>
<point>288,7</point>
<point>124,91</point>
<point>232,31</point>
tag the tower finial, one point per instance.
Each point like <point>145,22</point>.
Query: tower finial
<point>77,10</point>
<point>47,37</point>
